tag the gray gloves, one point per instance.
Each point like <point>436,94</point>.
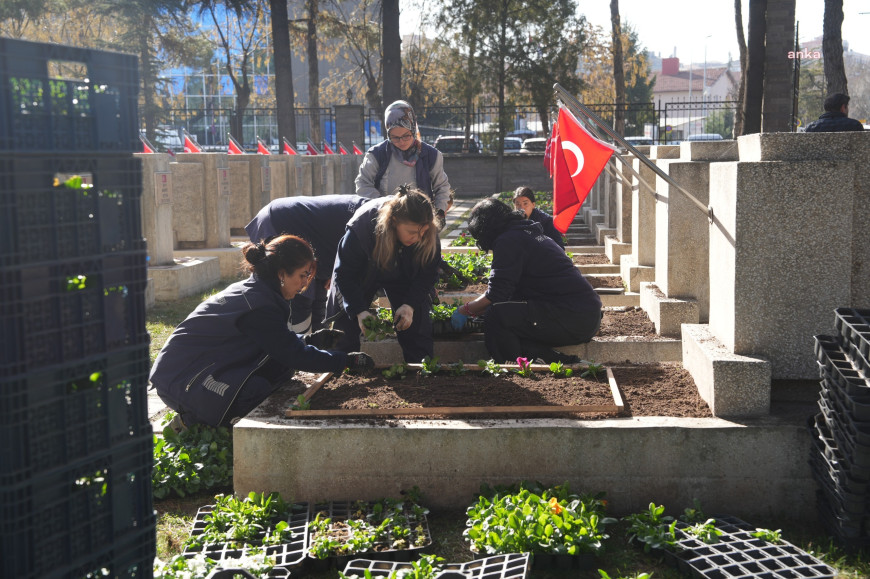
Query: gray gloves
<point>360,362</point>
<point>323,339</point>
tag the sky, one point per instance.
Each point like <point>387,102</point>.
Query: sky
<point>690,26</point>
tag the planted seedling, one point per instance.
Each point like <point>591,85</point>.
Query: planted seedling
<point>652,528</point>
<point>706,531</point>
<point>442,312</point>
<point>491,367</point>
<point>525,368</point>
<point>395,372</point>
<point>694,514</point>
<point>592,369</point>
<point>464,240</point>
<point>430,366</point>
<point>258,519</point>
<point>604,575</point>
<point>457,368</point>
<point>560,371</point>
<point>182,566</point>
<point>301,403</point>
<point>774,537</point>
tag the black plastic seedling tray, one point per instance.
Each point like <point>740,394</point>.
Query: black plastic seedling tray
<point>509,566</point>
<point>740,555</point>
<point>344,510</point>
<point>287,555</point>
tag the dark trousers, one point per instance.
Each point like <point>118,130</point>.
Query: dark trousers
<point>531,329</point>
<point>312,302</point>
<point>416,341</point>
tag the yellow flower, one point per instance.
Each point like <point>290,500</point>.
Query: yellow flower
<point>555,507</point>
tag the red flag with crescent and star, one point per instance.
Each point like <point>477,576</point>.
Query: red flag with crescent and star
<point>147,147</point>
<point>190,145</point>
<point>262,149</point>
<point>288,148</point>
<point>327,150</point>
<point>356,150</point>
<point>233,146</point>
<point>341,149</point>
<point>578,159</point>
<point>312,149</point>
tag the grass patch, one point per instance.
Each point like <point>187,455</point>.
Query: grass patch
<point>162,318</point>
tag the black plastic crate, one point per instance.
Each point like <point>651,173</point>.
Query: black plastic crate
<point>833,359</point>
<point>508,566</point>
<point>43,221</point>
<point>288,555</point>
<point>69,99</point>
<point>54,417</point>
<point>128,557</point>
<point>740,555</point>
<point>70,516</point>
<point>69,310</point>
<point>853,326</point>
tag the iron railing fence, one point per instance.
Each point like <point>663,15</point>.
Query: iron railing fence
<point>669,123</point>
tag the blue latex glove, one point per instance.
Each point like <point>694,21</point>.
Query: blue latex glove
<point>458,320</point>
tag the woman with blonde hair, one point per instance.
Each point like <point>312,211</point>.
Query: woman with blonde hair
<point>391,243</point>
<point>236,347</point>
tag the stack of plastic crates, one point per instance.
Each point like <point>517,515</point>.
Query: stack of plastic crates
<point>75,442</point>
<point>840,458</point>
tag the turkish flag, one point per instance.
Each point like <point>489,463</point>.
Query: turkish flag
<point>578,159</point>
<point>327,150</point>
<point>233,146</point>
<point>341,149</point>
<point>288,149</point>
<point>190,145</point>
<point>312,149</point>
<point>262,149</point>
<point>146,146</point>
<point>548,150</point>
<point>356,150</point>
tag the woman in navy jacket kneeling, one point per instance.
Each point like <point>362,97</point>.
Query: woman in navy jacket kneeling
<point>537,299</point>
<point>391,243</point>
<point>236,347</point>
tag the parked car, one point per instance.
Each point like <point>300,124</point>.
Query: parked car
<point>705,137</point>
<point>635,141</point>
<point>454,144</point>
<point>534,145</point>
<point>512,145</point>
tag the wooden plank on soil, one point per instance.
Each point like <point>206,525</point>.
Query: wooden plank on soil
<point>321,380</point>
<point>614,389</point>
<point>450,411</point>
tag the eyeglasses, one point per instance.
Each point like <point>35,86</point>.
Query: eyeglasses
<point>403,139</point>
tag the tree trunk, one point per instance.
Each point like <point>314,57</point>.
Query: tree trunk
<point>284,98</point>
<point>313,72</point>
<point>618,69</point>
<point>502,50</point>
<point>469,90</point>
<point>392,48</point>
<point>147,74</point>
<point>741,87</point>
<point>754,95</point>
<point>832,48</point>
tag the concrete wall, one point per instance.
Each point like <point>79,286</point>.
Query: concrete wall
<point>474,175</point>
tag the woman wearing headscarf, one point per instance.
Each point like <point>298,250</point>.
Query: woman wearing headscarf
<point>392,244</point>
<point>235,348</point>
<point>536,298</point>
<point>403,158</point>
<point>320,221</point>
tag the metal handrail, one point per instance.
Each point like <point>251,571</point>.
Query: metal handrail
<point>576,107</point>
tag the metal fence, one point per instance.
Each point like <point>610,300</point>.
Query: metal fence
<point>673,122</point>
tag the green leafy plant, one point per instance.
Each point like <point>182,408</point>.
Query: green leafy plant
<point>774,537</point>
<point>604,575</point>
<point>558,369</point>
<point>706,531</point>
<point>426,567</point>
<point>258,519</point>
<point>552,521</point>
<point>196,459</point>
<point>457,368</point>
<point>430,366</point>
<point>380,326</point>
<point>183,567</point>
<point>524,368</point>
<point>396,371</point>
<point>442,312</point>
<point>652,528</point>
<point>592,369</point>
<point>301,403</point>
<point>464,240</point>
<point>693,514</point>
<point>474,267</point>
<point>491,367</point>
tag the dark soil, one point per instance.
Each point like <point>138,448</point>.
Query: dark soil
<point>590,259</point>
<point>647,390</point>
<point>605,280</point>
<point>622,323</point>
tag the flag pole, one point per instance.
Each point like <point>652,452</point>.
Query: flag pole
<point>575,106</point>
